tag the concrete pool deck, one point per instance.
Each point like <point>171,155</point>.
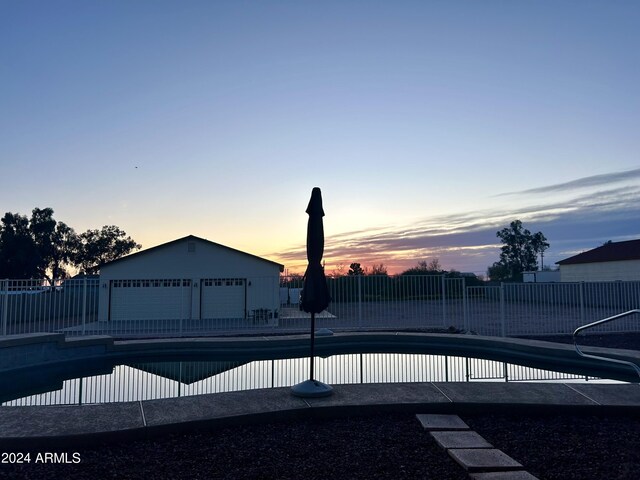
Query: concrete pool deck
<point>31,426</point>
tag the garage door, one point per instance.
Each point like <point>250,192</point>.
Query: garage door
<point>162,299</point>
<point>223,298</point>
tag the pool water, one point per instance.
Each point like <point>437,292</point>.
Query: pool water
<point>158,380</point>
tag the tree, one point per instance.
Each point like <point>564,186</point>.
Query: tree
<point>434,266</point>
<point>18,253</point>
<point>425,268</point>
<point>498,272</point>
<point>518,253</point>
<point>339,270</point>
<point>539,245</point>
<point>67,244</point>
<point>42,247</point>
<point>41,227</point>
<point>378,269</point>
<point>39,247</point>
<point>355,269</point>
<point>56,243</point>
<point>97,247</point>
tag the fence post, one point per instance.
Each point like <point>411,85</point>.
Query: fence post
<point>80,392</point>
<point>84,305</point>
<point>444,300</point>
<point>181,304</point>
<point>503,326</point>
<point>582,319</point>
<point>359,277</point>
<point>465,320</point>
<point>446,368</point>
<point>5,305</point>
<point>273,373</point>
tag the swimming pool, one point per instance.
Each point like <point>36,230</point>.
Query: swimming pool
<point>97,370</point>
<point>156,380</point>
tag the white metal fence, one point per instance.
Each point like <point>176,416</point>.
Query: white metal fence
<point>35,306</point>
<point>519,309</point>
<point>382,302</point>
<point>435,302</point>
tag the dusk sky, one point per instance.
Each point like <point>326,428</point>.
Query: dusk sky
<point>428,125</point>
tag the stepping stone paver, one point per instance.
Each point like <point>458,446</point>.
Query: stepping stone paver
<point>517,475</point>
<point>484,459</point>
<point>433,422</point>
<point>460,439</point>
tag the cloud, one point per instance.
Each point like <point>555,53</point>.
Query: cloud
<point>468,241</point>
<point>584,182</point>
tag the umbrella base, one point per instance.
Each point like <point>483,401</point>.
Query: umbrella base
<point>311,389</point>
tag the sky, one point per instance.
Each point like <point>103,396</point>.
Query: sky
<point>428,125</point>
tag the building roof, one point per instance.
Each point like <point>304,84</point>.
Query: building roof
<point>185,239</point>
<point>609,252</point>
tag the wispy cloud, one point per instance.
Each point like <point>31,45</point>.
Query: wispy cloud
<point>584,182</point>
<point>467,241</point>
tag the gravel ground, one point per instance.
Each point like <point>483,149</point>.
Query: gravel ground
<point>566,447</point>
<point>388,447</point>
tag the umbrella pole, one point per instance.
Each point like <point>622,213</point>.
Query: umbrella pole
<point>313,338</point>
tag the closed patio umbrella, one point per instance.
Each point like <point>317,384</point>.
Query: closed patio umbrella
<point>315,293</point>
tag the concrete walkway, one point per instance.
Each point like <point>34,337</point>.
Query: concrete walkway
<point>64,424</point>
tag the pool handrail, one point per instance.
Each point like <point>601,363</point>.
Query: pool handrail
<point>600,322</point>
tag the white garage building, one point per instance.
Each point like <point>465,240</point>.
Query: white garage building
<point>614,261</point>
<point>189,279</point>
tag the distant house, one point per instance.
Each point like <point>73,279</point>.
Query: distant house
<point>610,262</point>
<point>190,279</point>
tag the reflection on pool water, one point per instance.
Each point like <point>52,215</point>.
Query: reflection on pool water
<point>177,379</point>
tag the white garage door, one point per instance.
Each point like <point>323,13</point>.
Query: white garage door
<point>150,299</point>
<point>223,298</point>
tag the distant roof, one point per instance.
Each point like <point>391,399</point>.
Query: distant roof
<point>184,239</point>
<point>609,252</point>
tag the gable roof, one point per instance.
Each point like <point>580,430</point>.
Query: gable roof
<point>609,252</point>
<point>187,238</point>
